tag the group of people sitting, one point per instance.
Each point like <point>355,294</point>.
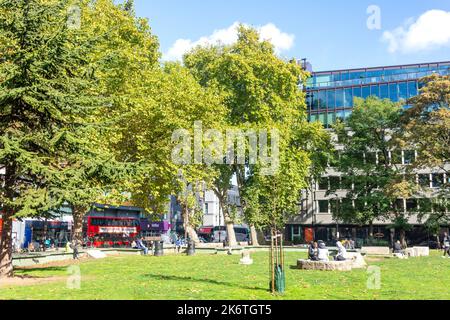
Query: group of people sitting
<point>318,251</point>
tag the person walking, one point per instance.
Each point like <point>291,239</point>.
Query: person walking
<point>75,245</point>
<point>446,245</point>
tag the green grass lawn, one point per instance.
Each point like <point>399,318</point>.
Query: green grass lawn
<point>221,277</point>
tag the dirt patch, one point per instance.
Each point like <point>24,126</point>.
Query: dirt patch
<point>62,263</point>
<point>28,281</point>
<point>375,259</point>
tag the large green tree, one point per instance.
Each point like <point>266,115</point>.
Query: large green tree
<point>426,129</point>
<point>261,93</point>
<point>159,119</point>
<point>122,50</point>
<point>370,165</point>
<point>49,105</point>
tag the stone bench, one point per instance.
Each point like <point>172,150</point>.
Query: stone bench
<point>376,251</point>
<point>325,265</point>
<point>357,260</point>
<point>418,252</point>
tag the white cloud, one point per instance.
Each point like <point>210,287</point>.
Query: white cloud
<point>281,41</point>
<point>430,31</point>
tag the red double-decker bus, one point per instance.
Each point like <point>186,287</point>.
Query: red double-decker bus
<point>111,231</point>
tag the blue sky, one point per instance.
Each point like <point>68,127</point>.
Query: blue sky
<point>331,34</point>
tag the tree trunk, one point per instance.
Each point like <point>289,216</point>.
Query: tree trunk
<point>403,239</point>
<point>371,230</point>
<point>6,267</point>
<point>78,215</point>
<point>189,230</point>
<point>438,241</point>
<point>231,235</point>
<point>6,249</point>
<point>392,237</point>
<point>254,236</point>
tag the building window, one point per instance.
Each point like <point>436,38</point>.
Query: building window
<point>322,100</point>
<point>396,157</point>
<point>374,91</point>
<point>400,205</point>
<point>412,89</point>
<point>365,92</point>
<point>335,183</point>
<point>323,183</point>
<point>340,98</point>
<point>384,91</point>
<point>348,98</point>
<point>393,92</point>
<point>409,157</point>
<point>411,205</point>
<point>438,180</point>
<point>402,91</point>
<point>331,96</point>
<point>323,206</point>
<point>347,183</point>
<point>357,92</point>
<point>424,180</point>
<point>371,157</point>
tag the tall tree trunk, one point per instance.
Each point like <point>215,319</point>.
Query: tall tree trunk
<point>371,230</point>
<point>438,241</point>
<point>392,237</point>
<point>78,213</point>
<point>231,235</point>
<point>403,238</point>
<point>6,249</point>
<point>6,267</point>
<point>190,231</point>
<point>254,236</point>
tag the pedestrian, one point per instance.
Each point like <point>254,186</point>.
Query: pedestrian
<point>446,245</point>
<point>75,249</point>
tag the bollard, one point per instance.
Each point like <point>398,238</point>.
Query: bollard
<point>159,248</point>
<point>191,248</point>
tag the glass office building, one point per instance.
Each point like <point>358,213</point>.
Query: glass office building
<point>330,94</point>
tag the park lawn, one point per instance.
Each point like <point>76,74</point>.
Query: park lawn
<point>221,277</point>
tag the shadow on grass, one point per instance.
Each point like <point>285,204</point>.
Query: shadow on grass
<point>208,281</point>
<point>25,270</point>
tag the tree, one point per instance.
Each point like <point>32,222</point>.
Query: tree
<point>121,48</point>
<point>366,163</point>
<point>426,129</point>
<point>47,103</point>
<point>261,92</point>
<point>160,119</point>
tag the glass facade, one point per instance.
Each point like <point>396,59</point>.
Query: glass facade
<point>330,95</point>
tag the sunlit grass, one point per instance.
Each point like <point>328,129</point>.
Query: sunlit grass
<point>221,277</point>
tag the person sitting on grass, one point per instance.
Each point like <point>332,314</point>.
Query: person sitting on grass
<point>341,252</point>
<point>312,251</point>
<point>323,252</point>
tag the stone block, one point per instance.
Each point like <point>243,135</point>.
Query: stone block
<point>376,251</point>
<point>325,265</point>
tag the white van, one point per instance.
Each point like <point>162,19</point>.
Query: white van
<point>219,234</point>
